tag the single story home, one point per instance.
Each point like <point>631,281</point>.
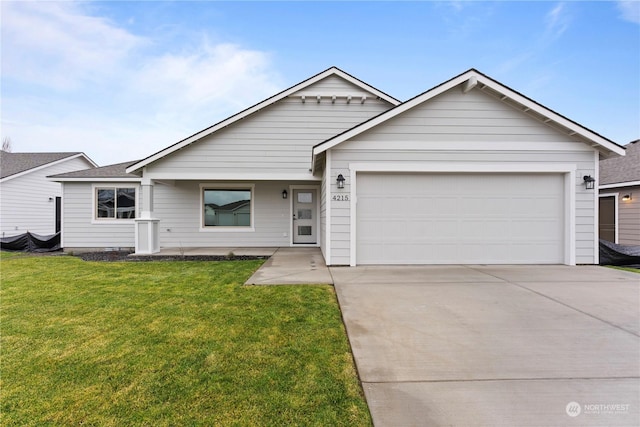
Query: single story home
<point>469,171</point>
<point>619,215</point>
<point>28,200</point>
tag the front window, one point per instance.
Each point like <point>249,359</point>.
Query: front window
<point>227,207</point>
<point>116,203</point>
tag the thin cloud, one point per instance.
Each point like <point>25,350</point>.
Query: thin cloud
<point>57,46</point>
<point>557,20</point>
<point>630,10</point>
<point>224,72</point>
<point>99,88</point>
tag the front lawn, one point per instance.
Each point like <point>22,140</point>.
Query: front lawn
<point>169,344</point>
<point>631,269</point>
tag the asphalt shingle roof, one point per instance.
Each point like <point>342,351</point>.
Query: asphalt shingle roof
<point>14,163</point>
<point>622,168</point>
<point>117,170</point>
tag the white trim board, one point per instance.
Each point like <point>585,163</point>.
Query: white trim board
<point>470,167</point>
<point>568,169</point>
<point>232,177</point>
<point>133,180</point>
<point>619,184</point>
<point>327,204</point>
<point>596,210</point>
<point>474,146</point>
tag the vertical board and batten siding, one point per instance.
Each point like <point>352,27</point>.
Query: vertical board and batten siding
<point>629,216</point>
<point>277,139</point>
<point>25,204</point>
<point>465,128</point>
<point>179,209</point>
<point>80,230</point>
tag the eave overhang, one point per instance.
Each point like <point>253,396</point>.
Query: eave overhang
<point>473,79</point>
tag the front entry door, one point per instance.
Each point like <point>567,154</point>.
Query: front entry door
<point>305,220</point>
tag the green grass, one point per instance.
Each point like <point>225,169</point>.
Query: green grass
<point>633,270</point>
<point>169,344</point>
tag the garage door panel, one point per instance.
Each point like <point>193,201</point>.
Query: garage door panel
<point>459,218</point>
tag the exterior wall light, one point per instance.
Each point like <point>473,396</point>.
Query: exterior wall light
<point>340,180</point>
<point>589,182</point>
<point>285,194</point>
<point>626,197</point>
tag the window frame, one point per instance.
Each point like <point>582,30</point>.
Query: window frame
<point>109,186</point>
<point>227,228</point>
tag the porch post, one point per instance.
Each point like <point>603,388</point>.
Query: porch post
<point>147,240</point>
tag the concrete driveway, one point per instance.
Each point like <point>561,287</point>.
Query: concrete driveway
<point>495,345</point>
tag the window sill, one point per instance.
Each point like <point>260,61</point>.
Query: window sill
<point>223,229</point>
<point>113,221</point>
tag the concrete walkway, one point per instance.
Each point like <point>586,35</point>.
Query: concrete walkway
<point>495,345</point>
<point>293,266</point>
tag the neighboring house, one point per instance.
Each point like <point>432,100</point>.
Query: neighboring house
<point>28,200</point>
<point>619,215</point>
<point>469,171</point>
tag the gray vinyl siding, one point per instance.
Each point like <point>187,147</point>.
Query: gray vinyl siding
<point>456,116</point>
<point>277,139</point>
<point>629,216</point>
<point>24,200</point>
<point>470,123</point>
<point>79,230</point>
<point>179,210</point>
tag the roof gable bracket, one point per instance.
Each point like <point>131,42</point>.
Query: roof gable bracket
<point>469,84</point>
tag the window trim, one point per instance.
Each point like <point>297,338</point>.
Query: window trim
<point>114,186</point>
<point>227,228</point>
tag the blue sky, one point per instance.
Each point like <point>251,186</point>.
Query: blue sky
<point>122,80</point>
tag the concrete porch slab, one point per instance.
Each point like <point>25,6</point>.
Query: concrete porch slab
<point>215,251</point>
<point>293,266</point>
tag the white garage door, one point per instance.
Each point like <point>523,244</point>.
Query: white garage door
<point>459,218</point>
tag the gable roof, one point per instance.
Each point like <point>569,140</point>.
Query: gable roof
<point>333,71</point>
<point>115,172</point>
<point>622,170</point>
<point>15,164</point>
<point>469,80</point>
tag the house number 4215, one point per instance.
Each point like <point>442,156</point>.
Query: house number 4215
<point>340,197</point>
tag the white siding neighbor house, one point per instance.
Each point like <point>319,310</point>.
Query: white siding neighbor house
<point>470,171</point>
<point>28,200</point>
<point>620,197</point>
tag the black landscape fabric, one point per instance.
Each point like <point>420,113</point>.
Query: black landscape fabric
<point>612,254</point>
<point>30,242</point>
